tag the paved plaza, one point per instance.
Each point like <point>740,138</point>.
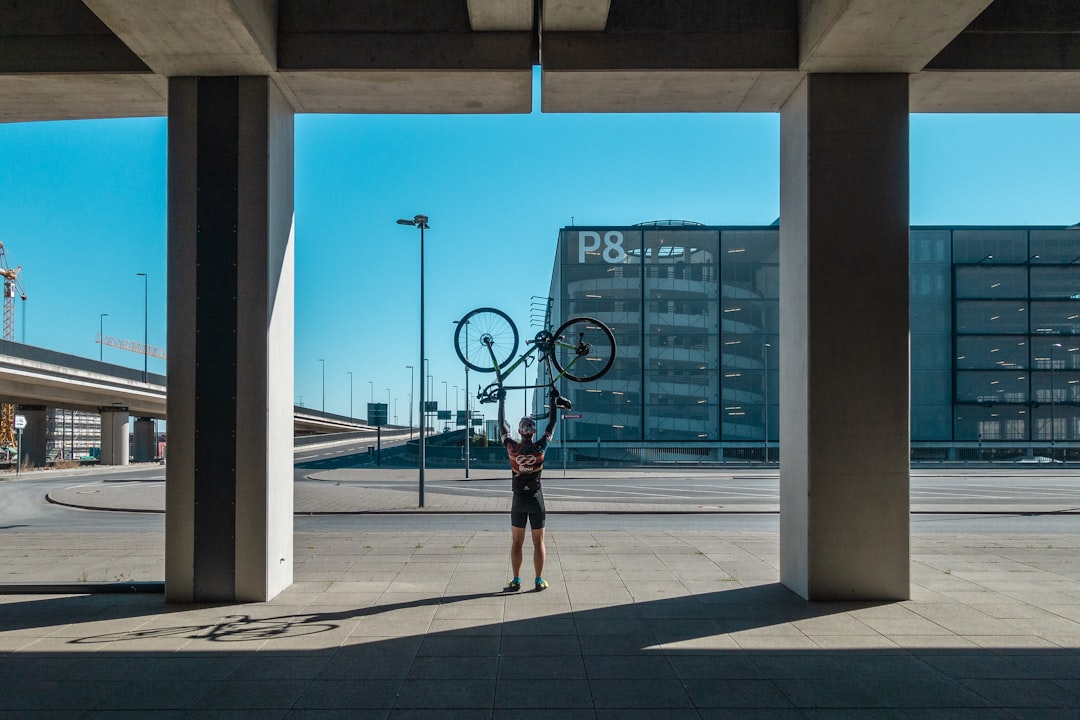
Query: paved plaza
<point>669,623</point>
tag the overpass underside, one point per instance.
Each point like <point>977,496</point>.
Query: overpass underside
<point>843,74</point>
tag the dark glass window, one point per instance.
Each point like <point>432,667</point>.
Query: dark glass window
<point>1061,281</point>
<point>991,352</point>
<point>931,352</point>
<point>930,246</point>
<point>1000,422</point>
<point>990,318</point>
<point>931,423</point>
<point>990,246</point>
<point>1055,246</point>
<point>991,387</point>
<point>1060,318</point>
<point>991,281</point>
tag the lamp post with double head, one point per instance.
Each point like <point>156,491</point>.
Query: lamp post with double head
<point>145,324</point>
<point>468,418</point>
<point>1053,399</point>
<point>412,372</point>
<point>101,336</point>
<point>420,221</point>
<point>765,385</point>
<point>323,363</point>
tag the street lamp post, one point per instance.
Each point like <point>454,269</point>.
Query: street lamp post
<point>101,336</point>
<point>323,385</point>
<point>371,389</point>
<point>420,221</point>
<point>468,419</point>
<point>1053,418</point>
<point>145,324</point>
<point>765,385</point>
<point>446,395</point>
<point>350,393</point>
<point>412,372</point>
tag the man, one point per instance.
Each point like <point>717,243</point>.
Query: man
<point>526,463</point>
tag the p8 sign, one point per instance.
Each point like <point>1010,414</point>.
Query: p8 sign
<point>591,242</point>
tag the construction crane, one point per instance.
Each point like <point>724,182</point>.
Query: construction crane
<point>132,346</point>
<point>12,284</point>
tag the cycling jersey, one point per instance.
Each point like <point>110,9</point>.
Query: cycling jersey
<point>526,461</point>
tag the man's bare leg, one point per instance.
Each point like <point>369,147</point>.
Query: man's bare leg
<point>517,542</point>
<point>539,551</point>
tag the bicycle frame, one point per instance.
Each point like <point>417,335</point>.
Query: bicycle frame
<point>581,350</point>
<point>544,343</point>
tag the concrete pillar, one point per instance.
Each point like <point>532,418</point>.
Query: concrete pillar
<point>844,378</point>
<point>145,440</point>
<point>115,435</point>
<point>229,495</point>
<point>33,448</point>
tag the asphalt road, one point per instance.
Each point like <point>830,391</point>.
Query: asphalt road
<point>988,492</point>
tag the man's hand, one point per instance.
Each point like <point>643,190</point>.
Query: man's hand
<point>558,401</point>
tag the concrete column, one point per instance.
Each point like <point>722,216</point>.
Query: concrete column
<point>115,435</point>
<point>145,440</point>
<point>844,379</point>
<point>33,448</point>
<point>229,495</point>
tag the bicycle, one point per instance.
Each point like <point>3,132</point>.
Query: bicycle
<point>582,349</point>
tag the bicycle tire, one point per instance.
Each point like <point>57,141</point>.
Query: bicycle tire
<point>478,326</point>
<point>577,335</point>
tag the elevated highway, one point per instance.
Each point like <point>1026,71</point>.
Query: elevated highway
<point>35,379</point>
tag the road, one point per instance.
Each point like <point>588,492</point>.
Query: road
<point>1053,492</point>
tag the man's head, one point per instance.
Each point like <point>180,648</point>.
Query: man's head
<point>527,426</point>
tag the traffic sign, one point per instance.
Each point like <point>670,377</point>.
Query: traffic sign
<point>20,422</point>
<point>376,414</point>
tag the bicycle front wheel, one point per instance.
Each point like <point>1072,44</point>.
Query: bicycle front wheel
<point>584,349</point>
<point>486,339</point>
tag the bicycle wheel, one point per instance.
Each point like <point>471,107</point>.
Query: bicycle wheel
<point>486,338</point>
<point>584,349</point>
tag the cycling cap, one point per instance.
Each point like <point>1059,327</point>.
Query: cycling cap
<point>527,426</point>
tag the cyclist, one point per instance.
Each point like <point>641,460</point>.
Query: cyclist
<point>526,463</point>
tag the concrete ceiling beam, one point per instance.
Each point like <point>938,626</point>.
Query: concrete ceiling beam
<point>80,96</point>
<point>879,35</point>
<point>409,91</point>
<point>626,91</point>
<point>196,37</point>
<point>575,15</point>
<point>994,92</point>
<point>501,15</point>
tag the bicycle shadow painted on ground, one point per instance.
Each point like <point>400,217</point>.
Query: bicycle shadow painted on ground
<point>243,627</point>
<point>673,653</point>
<point>649,624</point>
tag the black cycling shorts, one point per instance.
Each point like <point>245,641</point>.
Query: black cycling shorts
<point>528,507</point>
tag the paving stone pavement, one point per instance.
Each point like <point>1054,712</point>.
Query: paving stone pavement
<point>658,624</point>
<point>637,624</point>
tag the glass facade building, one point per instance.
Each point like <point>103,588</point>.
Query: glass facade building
<point>995,330</point>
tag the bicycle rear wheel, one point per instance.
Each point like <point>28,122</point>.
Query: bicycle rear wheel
<point>584,349</point>
<point>486,339</point>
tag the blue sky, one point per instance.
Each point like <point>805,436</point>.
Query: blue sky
<point>82,209</point>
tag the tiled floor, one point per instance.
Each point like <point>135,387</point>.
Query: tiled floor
<point>672,625</point>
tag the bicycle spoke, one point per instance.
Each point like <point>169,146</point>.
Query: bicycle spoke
<point>584,349</point>
<point>485,339</point>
